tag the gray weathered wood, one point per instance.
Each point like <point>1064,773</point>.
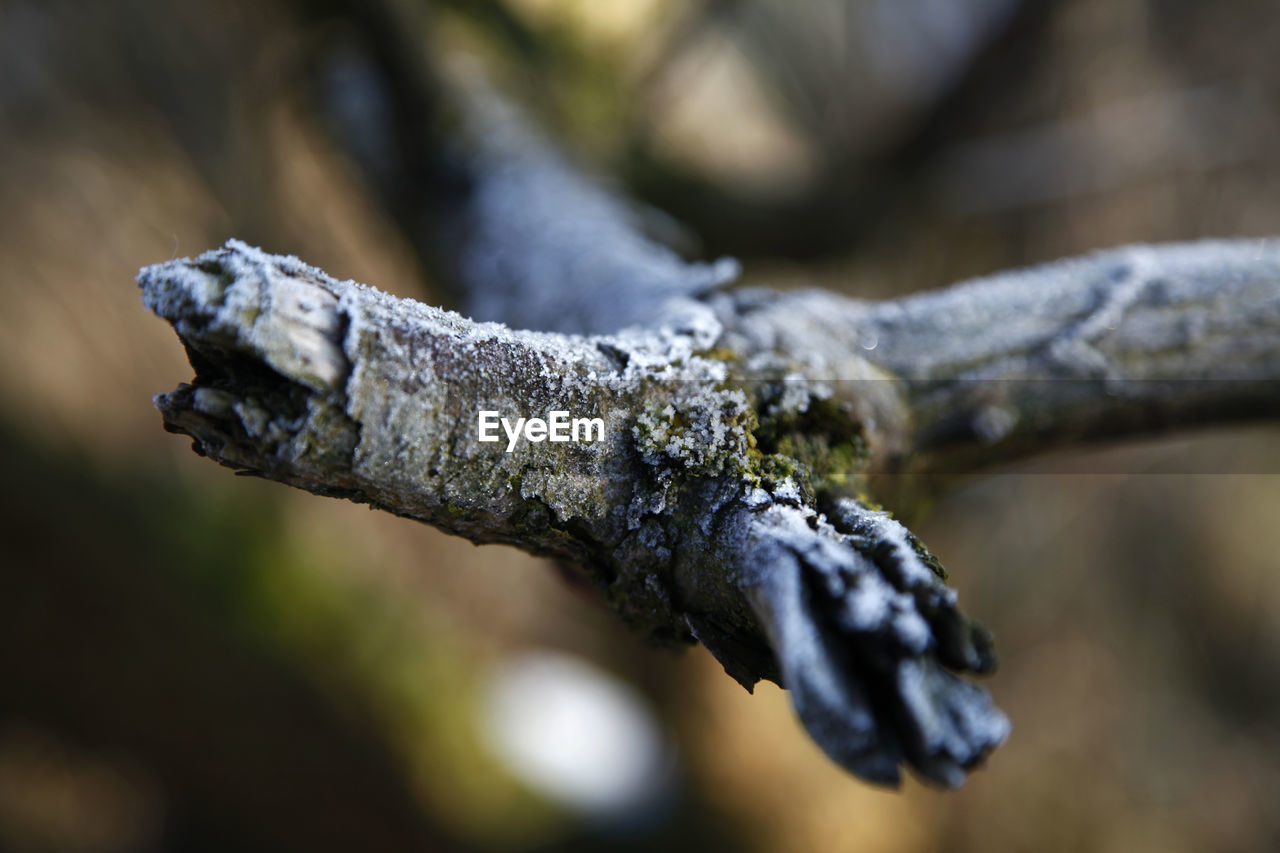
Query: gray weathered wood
<point>726,501</point>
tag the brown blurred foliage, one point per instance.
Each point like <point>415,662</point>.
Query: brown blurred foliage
<point>190,660</point>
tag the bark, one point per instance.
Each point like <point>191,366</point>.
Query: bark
<point>741,428</point>
<point>1132,340</point>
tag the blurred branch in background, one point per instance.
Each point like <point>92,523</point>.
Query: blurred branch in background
<point>858,97</point>
<point>863,94</point>
<point>1134,610</point>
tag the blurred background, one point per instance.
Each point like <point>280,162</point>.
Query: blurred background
<point>195,661</point>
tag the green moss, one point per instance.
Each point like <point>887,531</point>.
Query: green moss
<point>926,556</point>
<point>865,499</point>
<point>779,466</point>
<point>818,446</point>
<point>725,354</point>
<point>825,440</point>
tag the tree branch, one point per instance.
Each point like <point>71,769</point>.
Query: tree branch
<point>738,425</point>
<point>685,515</point>
<point>1132,340</point>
